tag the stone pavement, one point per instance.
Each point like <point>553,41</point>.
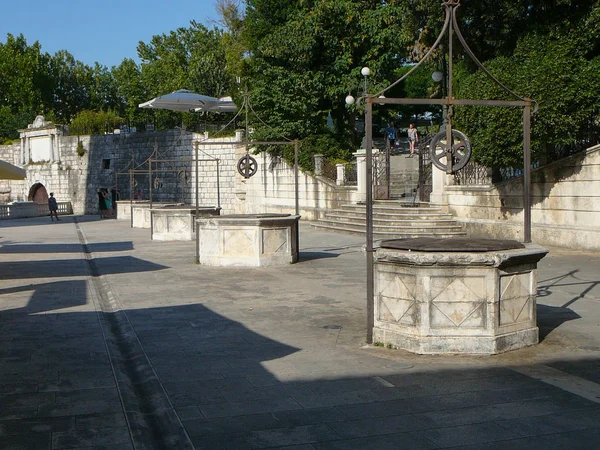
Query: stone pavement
<point>110,340</point>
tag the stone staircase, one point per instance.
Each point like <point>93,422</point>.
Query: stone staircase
<point>392,220</point>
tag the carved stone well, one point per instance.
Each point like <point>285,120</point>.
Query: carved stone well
<point>456,295</point>
<point>248,240</point>
<point>141,211</point>
<point>176,222</point>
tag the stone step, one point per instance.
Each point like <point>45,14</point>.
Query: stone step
<point>391,217</point>
<point>385,227</point>
<point>390,234</point>
<point>399,210</point>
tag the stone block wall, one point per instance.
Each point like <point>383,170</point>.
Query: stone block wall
<point>565,204</point>
<point>10,188</point>
<point>108,159</point>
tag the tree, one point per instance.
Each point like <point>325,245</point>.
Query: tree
<point>188,58</point>
<point>130,92</point>
<point>554,70</point>
<point>72,85</point>
<point>23,84</point>
<point>304,58</point>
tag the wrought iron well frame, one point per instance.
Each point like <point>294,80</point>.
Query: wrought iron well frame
<point>450,26</point>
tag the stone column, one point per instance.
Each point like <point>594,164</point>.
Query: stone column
<point>341,174</point>
<point>319,164</point>
<point>438,191</point>
<point>361,169</point>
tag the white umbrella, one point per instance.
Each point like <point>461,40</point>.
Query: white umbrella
<point>224,104</point>
<point>186,101</point>
<point>10,172</point>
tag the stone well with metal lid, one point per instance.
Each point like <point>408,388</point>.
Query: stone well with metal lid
<point>248,240</point>
<point>456,295</point>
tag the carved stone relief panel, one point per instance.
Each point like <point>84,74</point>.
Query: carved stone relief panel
<point>515,298</point>
<point>397,299</point>
<point>458,302</point>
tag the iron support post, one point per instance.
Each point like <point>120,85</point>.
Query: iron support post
<point>297,196</point>
<point>196,145</point>
<point>527,174</point>
<point>150,191</point>
<point>369,214</point>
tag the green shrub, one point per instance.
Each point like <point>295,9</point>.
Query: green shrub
<point>80,149</point>
<point>94,122</point>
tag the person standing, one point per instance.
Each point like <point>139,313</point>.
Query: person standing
<point>390,133</point>
<point>53,207</point>
<point>108,204</point>
<point>101,204</point>
<point>413,136</point>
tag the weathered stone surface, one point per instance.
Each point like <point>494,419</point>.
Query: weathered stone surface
<point>439,302</point>
<point>248,240</point>
<point>176,223</point>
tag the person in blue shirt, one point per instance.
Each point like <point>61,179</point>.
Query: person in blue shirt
<point>390,134</point>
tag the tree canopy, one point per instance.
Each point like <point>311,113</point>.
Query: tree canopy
<point>299,60</point>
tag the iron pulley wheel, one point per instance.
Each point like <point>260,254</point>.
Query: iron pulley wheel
<point>459,151</point>
<point>247,166</point>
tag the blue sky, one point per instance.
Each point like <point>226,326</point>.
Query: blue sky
<point>105,31</point>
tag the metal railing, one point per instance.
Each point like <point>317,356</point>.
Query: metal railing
<point>473,175</point>
<point>19,210</point>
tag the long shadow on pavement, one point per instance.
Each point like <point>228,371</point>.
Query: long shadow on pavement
<point>60,379</point>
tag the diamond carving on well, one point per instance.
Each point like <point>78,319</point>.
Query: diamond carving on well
<point>458,302</point>
<point>397,301</point>
<point>514,299</point>
<point>238,242</point>
<point>274,241</point>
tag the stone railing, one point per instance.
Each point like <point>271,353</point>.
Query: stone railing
<point>18,210</point>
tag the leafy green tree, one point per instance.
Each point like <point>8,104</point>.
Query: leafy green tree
<point>130,92</point>
<point>23,84</point>
<point>188,58</point>
<point>306,56</point>
<point>554,70</point>
<point>94,122</point>
<point>72,85</point>
<point>104,94</point>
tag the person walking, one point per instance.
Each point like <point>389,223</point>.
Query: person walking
<point>101,204</point>
<point>53,207</point>
<point>413,136</point>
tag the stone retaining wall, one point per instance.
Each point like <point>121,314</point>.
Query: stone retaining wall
<point>272,189</point>
<point>565,204</point>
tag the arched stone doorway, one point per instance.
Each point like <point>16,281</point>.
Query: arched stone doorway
<point>38,193</point>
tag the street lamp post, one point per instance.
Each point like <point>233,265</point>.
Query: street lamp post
<point>365,72</point>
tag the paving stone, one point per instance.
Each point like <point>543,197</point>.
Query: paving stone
<point>552,423</point>
<point>44,425</point>
<point>236,424</point>
<point>37,441</point>
<point>387,442</point>
<point>100,421</point>
<point>380,426</point>
<point>308,417</point>
<point>90,437</point>
<point>291,436</point>
<point>76,409</point>
<point>244,408</point>
<point>467,434</point>
<point>227,441</point>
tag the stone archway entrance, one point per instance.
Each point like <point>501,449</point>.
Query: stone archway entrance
<point>38,193</point>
